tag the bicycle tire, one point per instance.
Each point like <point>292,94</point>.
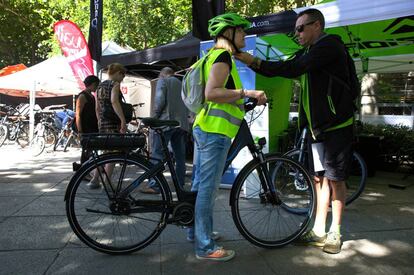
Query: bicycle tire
<point>68,141</point>
<point>356,182</point>
<point>4,133</point>
<point>23,135</point>
<point>357,179</point>
<point>50,136</point>
<point>250,211</point>
<point>58,140</point>
<point>89,213</point>
<point>37,145</point>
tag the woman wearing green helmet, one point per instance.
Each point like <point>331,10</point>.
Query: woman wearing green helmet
<point>215,126</point>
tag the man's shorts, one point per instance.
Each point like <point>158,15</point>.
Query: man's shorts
<point>338,149</point>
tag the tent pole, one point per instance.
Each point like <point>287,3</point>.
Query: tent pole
<point>32,98</point>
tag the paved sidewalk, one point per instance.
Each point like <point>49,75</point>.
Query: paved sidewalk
<point>35,237</point>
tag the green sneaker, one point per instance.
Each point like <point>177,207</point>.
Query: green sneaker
<point>333,243</point>
<point>310,239</point>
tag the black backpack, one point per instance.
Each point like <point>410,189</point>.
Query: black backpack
<point>352,84</point>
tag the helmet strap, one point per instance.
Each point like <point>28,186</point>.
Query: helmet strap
<point>232,40</point>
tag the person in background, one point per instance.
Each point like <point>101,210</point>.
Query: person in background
<point>108,101</point>
<point>86,121</point>
<point>168,105</point>
<point>327,110</point>
<point>63,117</point>
<point>109,98</point>
<point>215,126</point>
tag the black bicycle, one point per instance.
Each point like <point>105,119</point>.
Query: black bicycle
<point>118,219</point>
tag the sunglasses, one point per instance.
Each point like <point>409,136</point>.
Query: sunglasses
<point>301,28</point>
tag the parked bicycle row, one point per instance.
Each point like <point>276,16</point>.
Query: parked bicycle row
<point>54,128</point>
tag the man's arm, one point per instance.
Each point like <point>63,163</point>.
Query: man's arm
<point>160,95</point>
<point>318,57</point>
<point>80,103</point>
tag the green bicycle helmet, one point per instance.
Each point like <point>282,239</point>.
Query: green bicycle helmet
<point>219,23</point>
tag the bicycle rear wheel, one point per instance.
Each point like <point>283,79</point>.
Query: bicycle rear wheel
<point>108,223</point>
<point>355,184</point>
<point>267,224</point>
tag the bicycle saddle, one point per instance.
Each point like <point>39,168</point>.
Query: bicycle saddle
<point>153,122</point>
<point>112,141</point>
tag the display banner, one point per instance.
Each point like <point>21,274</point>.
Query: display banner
<point>74,47</point>
<point>284,22</point>
<point>95,29</point>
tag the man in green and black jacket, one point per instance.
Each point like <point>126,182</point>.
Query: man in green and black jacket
<point>326,108</point>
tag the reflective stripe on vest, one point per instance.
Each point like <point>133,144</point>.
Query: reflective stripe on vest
<point>225,115</point>
<point>221,118</point>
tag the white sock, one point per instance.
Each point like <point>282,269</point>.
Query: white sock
<point>319,230</point>
<point>335,228</point>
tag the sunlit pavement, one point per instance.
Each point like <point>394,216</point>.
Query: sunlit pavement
<point>35,237</point>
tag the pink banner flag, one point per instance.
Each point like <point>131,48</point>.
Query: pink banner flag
<point>74,47</point>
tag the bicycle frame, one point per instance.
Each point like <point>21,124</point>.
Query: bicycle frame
<point>159,167</point>
<point>243,138</point>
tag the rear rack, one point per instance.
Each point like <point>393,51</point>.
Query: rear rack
<point>112,141</point>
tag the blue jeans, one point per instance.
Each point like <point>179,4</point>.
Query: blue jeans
<point>210,161</point>
<point>176,138</point>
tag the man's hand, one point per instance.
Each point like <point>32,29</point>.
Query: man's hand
<point>244,57</point>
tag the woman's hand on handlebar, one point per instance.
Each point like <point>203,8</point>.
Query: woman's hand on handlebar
<point>257,94</point>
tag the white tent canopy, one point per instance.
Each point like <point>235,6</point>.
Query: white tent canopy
<point>53,76</point>
<point>350,12</point>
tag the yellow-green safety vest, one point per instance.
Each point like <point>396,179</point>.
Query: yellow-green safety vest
<point>221,118</point>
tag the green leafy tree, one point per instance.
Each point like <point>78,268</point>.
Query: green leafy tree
<point>254,8</point>
<point>25,25</point>
<point>26,35</point>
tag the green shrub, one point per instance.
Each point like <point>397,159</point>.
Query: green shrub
<point>396,141</point>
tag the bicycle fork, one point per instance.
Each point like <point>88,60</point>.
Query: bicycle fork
<point>269,194</point>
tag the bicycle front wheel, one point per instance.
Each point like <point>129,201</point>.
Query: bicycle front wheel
<point>37,145</point>
<point>107,222</point>
<point>263,222</point>
<point>4,133</point>
<point>23,135</point>
<point>50,136</point>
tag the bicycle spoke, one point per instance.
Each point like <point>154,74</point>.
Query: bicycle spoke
<point>264,222</point>
<point>111,224</point>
